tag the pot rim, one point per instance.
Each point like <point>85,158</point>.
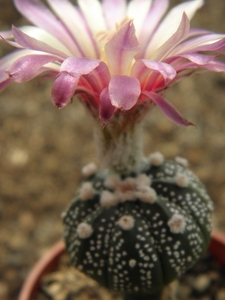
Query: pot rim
<point>51,258</point>
<point>42,266</point>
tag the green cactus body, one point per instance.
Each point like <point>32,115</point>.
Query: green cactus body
<point>138,233</point>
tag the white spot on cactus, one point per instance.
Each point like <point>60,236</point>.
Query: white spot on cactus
<point>210,206</point>
<point>89,170</point>
<point>156,159</point>
<point>143,179</point>
<point>112,181</point>
<point>84,230</point>
<point>87,191</point>
<point>108,199</point>
<point>63,214</point>
<point>181,180</point>
<point>181,161</point>
<point>177,223</point>
<point>146,194</point>
<point>126,222</point>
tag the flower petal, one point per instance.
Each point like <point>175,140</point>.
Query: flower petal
<point>77,66</point>
<point>28,67</point>
<point>199,59</point>
<point>4,81</point>
<point>38,14</point>
<point>10,59</point>
<point>205,42</point>
<point>176,38</point>
<point>156,12</point>
<point>92,8</point>
<point>43,36</point>
<point>121,49</point>
<point>143,67</point>
<point>71,70</point>
<point>77,26</point>
<point>168,109</point>
<point>63,89</point>
<point>98,79</point>
<point>30,43</point>
<point>106,110</point>
<point>114,12</point>
<point>217,46</point>
<point>138,10</point>
<point>171,23</point>
<point>7,34</point>
<point>215,66</point>
<point>124,92</point>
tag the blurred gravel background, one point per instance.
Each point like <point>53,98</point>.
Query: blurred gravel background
<point>43,149</point>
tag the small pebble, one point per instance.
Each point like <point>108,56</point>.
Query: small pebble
<point>18,157</point>
<point>201,283</point>
<point>220,294</point>
<point>27,221</point>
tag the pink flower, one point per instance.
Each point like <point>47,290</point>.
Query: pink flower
<point>118,56</point>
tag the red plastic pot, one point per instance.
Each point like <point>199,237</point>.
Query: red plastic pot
<point>217,247</point>
<point>50,259</point>
<point>48,262</point>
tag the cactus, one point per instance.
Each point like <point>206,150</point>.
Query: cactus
<point>137,233</point>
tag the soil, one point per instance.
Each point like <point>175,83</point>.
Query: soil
<point>42,151</point>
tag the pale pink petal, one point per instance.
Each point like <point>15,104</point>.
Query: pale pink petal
<point>6,34</point>
<point>182,61</point>
<point>98,78</point>
<point>28,67</point>
<point>92,8</point>
<point>30,43</point>
<point>199,59</point>
<point>143,67</point>
<point>71,70</point>
<point>11,43</point>
<point>114,12</point>
<point>152,20</point>
<point>106,110</point>
<point>5,80</point>
<point>176,38</point>
<point>10,58</point>
<point>171,23</point>
<point>185,69</point>
<point>218,46</point>
<point>77,27</point>
<point>206,42</point>
<point>43,36</point>
<point>63,89</point>
<point>138,10</point>
<point>121,49</point>
<point>4,84</point>
<point>77,66</point>
<point>198,32</point>
<point>168,109</point>
<point>124,92</point>
<point>215,66</point>
<point>189,7</point>
<point>3,76</point>
<point>37,13</point>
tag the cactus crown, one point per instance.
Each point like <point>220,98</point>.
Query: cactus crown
<point>137,233</point>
